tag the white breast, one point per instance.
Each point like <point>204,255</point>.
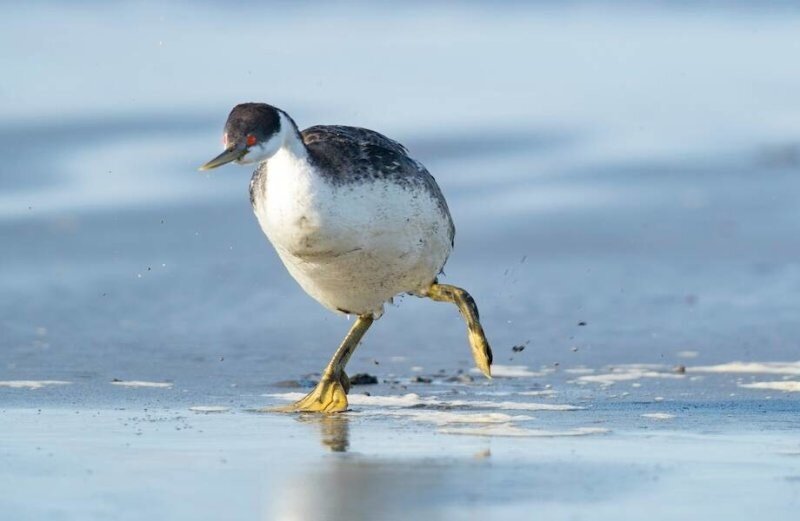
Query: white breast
<point>351,246</point>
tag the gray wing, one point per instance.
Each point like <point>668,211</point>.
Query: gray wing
<point>341,134</point>
<point>352,154</point>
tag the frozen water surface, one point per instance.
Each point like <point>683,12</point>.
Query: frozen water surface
<point>624,183</point>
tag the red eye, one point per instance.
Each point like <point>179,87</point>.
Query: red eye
<point>251,140</point>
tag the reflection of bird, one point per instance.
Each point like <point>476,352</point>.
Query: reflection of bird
<point>354,219</point>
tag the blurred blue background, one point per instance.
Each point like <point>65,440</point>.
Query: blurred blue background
<point>633,166</point>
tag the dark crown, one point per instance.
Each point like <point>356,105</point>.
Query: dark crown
<point>256,119</point>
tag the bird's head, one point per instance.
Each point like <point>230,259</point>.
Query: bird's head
<point>254,132</point>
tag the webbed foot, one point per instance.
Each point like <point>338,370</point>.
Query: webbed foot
<point>329,396</point>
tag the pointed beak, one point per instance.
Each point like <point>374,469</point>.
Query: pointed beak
<point>230,154</point>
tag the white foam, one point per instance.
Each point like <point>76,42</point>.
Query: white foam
<point>405,400</point>
<point>141,383</point>
<point>658,415</point>
<point>511,371</point>
<point>209,408</point>
<point>545,392</point>
<point>412,400</point>
<point>790,368</point>
<point>789,386</point>
<point>579,370</point>
<point>628,373</point>
<point>31,384</point>
<point>450,417</point>
<point>520,432</point>
<point>641,367</point>
<point>513,406</point>
<point>492,393</point>
<point>687,354</point>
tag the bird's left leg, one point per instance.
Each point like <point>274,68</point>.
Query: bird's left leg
<point>481,351</point>
<point>330,394</point>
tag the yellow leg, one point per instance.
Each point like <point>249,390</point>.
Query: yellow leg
<point>481,351</point>
<point>330,394</point>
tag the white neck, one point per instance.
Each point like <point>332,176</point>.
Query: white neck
<point>290,188</point>
<point>292,142</point>
<point>290,162</point>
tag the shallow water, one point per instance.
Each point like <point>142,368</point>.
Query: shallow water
<point>633,170</point>
<point>167,464</point>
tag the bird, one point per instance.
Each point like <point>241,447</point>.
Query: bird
<point>355,220</point>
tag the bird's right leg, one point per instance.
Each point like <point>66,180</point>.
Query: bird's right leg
<point>481,351</point>
<point>330,394</point>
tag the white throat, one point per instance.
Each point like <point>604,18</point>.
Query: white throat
<point>293,197</point>
<point>291,157</point>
